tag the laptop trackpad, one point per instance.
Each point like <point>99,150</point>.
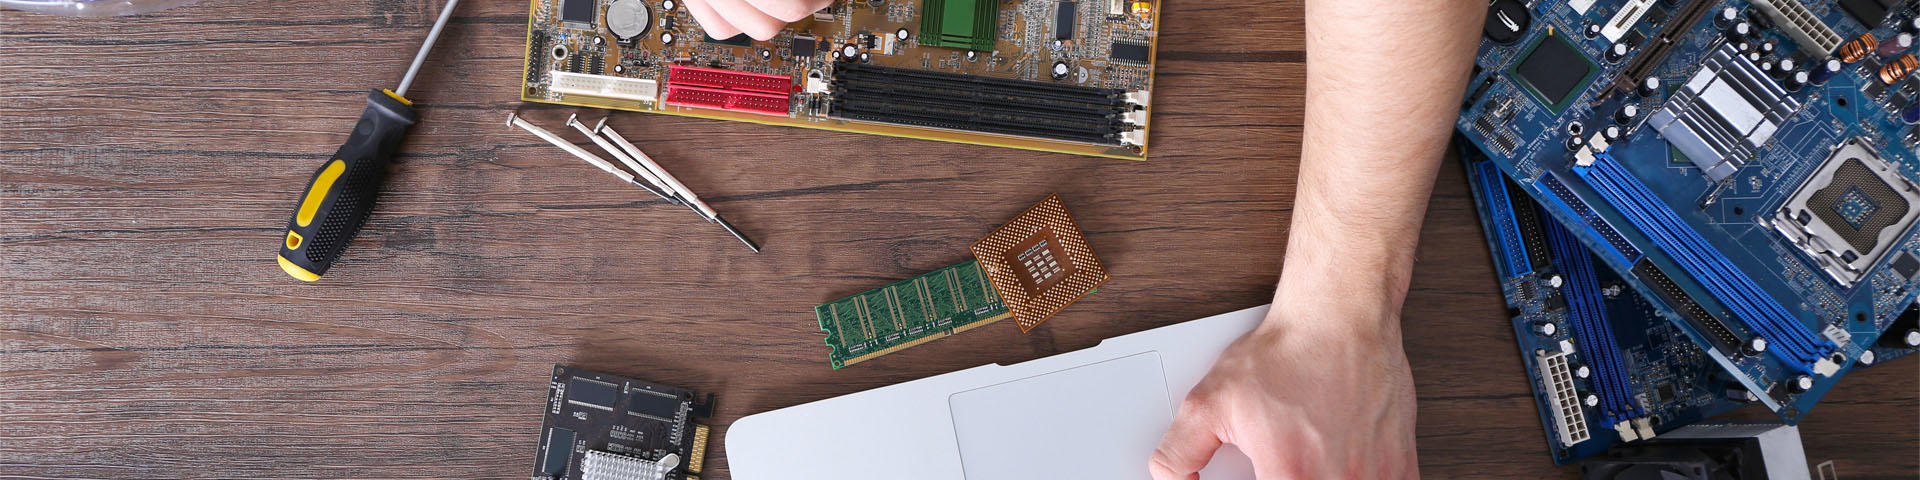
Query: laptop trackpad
<point>1100,420</point>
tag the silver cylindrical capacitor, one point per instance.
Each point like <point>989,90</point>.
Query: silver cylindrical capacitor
<point>1546,329</point>
<point>1825,71</point>
<point>1897,44</point>
<point>1800,383</point>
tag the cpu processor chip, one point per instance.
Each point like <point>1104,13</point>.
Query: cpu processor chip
<point>1849,212</point>
<point>1039,262</point>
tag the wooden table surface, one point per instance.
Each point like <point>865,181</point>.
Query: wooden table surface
<point>147,166</point>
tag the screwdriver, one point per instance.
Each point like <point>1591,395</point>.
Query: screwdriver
<point>679,190</point>
<point>341,193</point>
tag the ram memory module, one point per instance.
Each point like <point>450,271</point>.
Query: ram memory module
<point>907,313</point>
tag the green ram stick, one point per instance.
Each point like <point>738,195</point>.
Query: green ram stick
<point>911,312</point>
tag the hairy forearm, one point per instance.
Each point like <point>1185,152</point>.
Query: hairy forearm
<point>1384,79</point>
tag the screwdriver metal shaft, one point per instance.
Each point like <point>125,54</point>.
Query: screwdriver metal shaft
<point>515,120</point>
<point>674,184</point>
<point>661,190</point>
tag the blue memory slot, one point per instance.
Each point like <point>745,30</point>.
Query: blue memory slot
<point>1494,185</point>
<point>1590,328</point>
<point>1565,197</point>
<point>1786,337</point>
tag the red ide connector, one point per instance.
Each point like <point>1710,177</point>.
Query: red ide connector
<point>714,88</point>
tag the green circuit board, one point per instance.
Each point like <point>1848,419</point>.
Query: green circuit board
<point>907,313</point>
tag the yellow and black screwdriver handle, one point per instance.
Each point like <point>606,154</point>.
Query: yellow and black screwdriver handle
<point>341,194</point>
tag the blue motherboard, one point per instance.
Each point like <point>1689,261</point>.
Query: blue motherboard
<point>1746,167</point>
<point>1595,350</point>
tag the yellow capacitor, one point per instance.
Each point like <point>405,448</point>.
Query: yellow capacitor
<point>1144,10</point>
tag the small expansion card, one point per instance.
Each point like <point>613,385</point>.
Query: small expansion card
<point>605,427</point>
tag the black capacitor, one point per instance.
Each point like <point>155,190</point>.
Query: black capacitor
<point>1826,71</point>
<point>865,58</point>
<point>1754,346</point>
<point>1575,142</point>
<point>1726,17</point>
<point>1617,51</point>
<point>1593,30</point>
<point>1753,57</point>
<point>1788,64</point>
<point>1743,47</point>
<point>1612,133</point>
<point>1911,25</point>
<point>1767,67</point>
<point>1740,30</point>
<point>1767,47</point>
<point>1800,383</point>
<point>1626,114</point>
<point>1649,87</point>
<point>1060,70</point>
<point>1797,80</point>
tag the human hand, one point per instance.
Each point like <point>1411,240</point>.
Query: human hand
<point>1312,396</point>
<point>760,19</point>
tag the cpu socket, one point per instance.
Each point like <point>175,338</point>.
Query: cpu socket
<point>1850,212</point>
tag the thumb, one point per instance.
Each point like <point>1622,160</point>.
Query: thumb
<point>1188,445</point>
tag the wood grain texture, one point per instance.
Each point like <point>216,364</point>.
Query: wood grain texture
<point>147,166</point>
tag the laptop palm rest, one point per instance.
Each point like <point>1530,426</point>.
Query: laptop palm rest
<point>1100,420</point>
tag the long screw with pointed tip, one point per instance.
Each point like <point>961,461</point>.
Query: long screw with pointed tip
<point>515,120</point>
<point>672,184</point>
<point>657,189</point>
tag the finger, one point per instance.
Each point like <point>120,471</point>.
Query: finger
<point>758,25</point>
<point>789,10</point>
<point>710,21</point>
<point>1187,447</point>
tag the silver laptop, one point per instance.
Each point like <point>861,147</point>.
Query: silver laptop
<point>1092,413</point>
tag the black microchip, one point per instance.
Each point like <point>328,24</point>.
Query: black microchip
<point>1131,52</point>
<point>578,11</point>
<point>559,449</point>
<point>1655,16</point>
<point>1065,19</point>
<point>1867,12</point>
<point>1906,265</point>
<point>656,405</point>
<point>596,65</point>
<point>574,63</point>
<point>1505,143</point>
<point>1554,70</point>
<point>804,47</point>
<point>1633,39</point>
<point>592,393</point>
<point>1663,393</point>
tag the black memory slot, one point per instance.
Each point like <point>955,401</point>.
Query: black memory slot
<point>914,89</point>
<point>978,115</point>
<point>1670,293</point>
<point>978,104</point>
<point>1526,216</point>
<point>979,84</point>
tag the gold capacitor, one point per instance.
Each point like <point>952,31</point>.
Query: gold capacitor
<point>1898,68</point>
<point>1859,48</point>
<point>1144,10</point>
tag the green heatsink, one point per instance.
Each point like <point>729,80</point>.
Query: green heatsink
<point>907,313</point>
<point>969,24</point>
